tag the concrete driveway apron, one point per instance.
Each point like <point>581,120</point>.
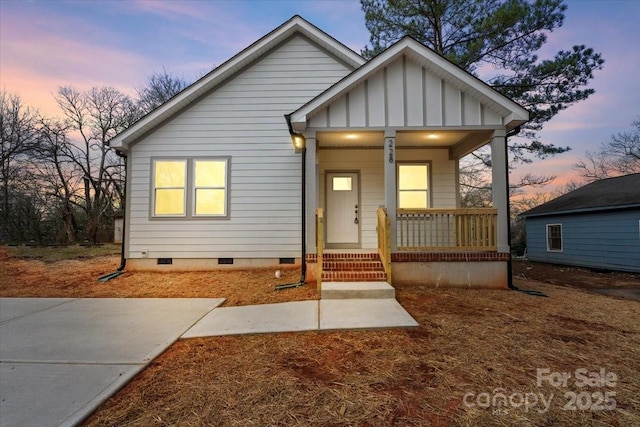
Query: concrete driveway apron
<point>61,358</point>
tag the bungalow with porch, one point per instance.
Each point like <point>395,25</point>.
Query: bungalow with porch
<point>371,183</point>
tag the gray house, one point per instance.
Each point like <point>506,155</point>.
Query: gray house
<point>595,226</point>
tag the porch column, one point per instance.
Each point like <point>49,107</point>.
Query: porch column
<point>499,186</point>
<point>390,182</point>
<point>311,165</point>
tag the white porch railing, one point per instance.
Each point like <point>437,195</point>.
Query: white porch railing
<point>446,229</point>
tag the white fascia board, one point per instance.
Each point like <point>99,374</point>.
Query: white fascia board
<point>296,24</point>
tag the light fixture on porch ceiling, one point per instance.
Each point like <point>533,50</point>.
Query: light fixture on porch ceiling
<point>299,142</point>
<point>432,136</point>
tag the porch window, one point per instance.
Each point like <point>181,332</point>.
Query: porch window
<point>413,186</point>
<point>554,237</point>
<point>190,188</point>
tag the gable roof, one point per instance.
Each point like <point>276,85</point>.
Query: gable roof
<point>514,113</point>
<point>619,192</point>
<point>295,25</point>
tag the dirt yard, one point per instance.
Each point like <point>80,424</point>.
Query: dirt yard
<point>574,276</point>
<point>479,357</point>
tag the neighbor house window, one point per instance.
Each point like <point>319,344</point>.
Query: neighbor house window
<point>413,186</point>
<point>554,237</point>
<point>190,187</point>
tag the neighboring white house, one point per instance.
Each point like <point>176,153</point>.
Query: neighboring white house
<point>213,178</point>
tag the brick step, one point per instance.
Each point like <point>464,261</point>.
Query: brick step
<point>354,276</point>
<point>344,257</point>
<point>361,290</point>
<point>352,266</point>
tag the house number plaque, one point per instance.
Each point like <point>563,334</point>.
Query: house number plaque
<point>390,142</point>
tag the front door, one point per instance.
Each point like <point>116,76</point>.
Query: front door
<point>343,210</point>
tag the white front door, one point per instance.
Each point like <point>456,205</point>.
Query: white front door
<point>343,210</point>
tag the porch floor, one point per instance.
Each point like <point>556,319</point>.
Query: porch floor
<point>351,251</point>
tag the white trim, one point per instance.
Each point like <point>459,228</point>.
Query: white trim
<point>561,238</point>
<point>154,189</point>
<point>189,200</point>
<point>428,190</point>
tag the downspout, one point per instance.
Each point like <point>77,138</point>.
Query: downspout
<point>123,259</point>
<point>513,132</point>
<point>303,216</point>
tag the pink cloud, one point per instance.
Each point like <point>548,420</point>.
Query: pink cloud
<point>36,73</point>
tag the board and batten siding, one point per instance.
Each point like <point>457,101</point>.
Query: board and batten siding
<point>244,120</point>
<point>405,93</point>
<point>369,163</point>
<point>607,240</point>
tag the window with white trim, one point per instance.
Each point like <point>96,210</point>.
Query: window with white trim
<point>170,182</point>
<point>413,186</point>
<point>554,237</point>
<point>185,188</point>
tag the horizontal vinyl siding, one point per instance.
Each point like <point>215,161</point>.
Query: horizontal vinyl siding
<point>609,240</point>
<point>243,120</point>
<point>370,164</point>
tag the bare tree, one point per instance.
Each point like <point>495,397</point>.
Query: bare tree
<point>17,132</point>
<point>619,156</point>
<point>159,89</point>
<point>96,116</point>
<point>475,180</point>
<point>59,177</point>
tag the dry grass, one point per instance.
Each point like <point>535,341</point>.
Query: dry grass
<point>477,341</point>
<point>468,341</point>
<point>77,278</point>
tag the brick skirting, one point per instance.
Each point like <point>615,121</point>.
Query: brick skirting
<point>449,256</point>
<point>416,257</point>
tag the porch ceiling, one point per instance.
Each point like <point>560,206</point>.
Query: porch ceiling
<point>458,140</point>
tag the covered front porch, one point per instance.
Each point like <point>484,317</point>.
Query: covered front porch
<point>382,156</point>
<point>370,219</point>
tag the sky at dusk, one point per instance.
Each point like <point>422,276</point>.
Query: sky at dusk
<point>48,44</point>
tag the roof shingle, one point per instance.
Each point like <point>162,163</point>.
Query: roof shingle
<point>603,194</point>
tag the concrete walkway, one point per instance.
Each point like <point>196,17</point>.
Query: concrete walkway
<point>303,316</point>
<point>60,358</point>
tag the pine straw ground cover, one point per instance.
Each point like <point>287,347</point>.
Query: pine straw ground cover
<point>471,345</point>
<point>77,278</point>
